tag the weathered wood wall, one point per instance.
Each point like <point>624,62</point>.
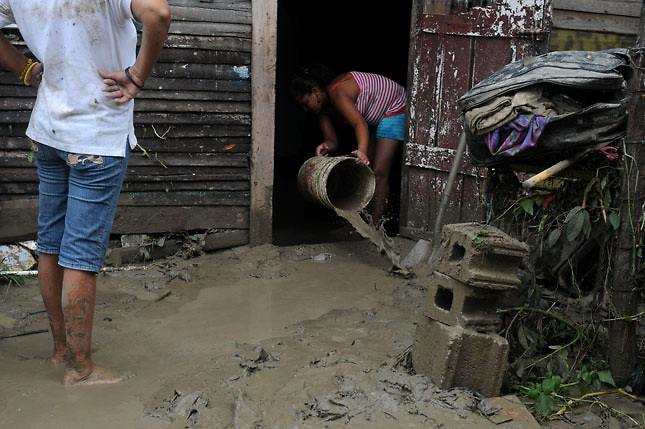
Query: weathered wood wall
<point>593,25</point>
<point>193,122</point>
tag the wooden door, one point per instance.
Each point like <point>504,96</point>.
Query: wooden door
<point>454,45</point>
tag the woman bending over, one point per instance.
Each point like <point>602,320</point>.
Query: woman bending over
<point>373,105</point>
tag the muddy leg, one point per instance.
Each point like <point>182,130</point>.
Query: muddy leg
<point>50,279</point>
<point>383,157</point>
<point>78,295</point>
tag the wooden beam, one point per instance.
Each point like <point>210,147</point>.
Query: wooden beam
<point>20,219</point>
<point>213,4</point>
<point>184,198</point>
<point>180,13</point>
<point>627,261</point>
<point>608,7</point>
<point>210,29</point>
<point>585,21</point>
<point>263,63</point>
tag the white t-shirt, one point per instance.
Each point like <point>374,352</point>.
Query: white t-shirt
<point>72,38</point>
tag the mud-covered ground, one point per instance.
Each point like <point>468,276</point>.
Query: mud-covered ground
<point>305,336</point>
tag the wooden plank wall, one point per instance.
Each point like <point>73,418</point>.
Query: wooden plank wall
<point>193,121</point>
<point>593,25</point>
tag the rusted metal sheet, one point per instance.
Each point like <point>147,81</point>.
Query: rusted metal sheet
<point>455,46</point>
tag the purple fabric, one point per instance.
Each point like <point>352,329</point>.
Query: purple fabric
<point>518,135</point>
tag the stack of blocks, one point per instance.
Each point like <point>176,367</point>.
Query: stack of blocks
<point>455,343</point>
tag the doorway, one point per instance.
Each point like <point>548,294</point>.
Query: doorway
<point>345,36</point>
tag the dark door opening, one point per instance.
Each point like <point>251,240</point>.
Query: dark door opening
<point>346,36</point>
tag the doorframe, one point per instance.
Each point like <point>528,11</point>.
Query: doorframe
<point>263,97</point>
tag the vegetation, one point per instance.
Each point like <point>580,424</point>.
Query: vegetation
<point>557,328</point>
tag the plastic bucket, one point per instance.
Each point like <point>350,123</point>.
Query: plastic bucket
<point>336,182</point>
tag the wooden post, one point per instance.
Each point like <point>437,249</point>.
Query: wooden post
<point>263,69</point>
<point>625,294</point>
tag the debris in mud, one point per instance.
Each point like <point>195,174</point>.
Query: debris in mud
<point>16,257</point>
<point>322,257</point>
<point>187,406</point>
<point>260,359</point>
<point>384,392</point>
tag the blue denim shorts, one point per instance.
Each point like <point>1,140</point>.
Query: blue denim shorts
<point>391,127</point>
<point>78,195</point>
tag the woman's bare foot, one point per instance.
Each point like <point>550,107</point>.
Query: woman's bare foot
<point>59,356</point>
<point>98,375</point>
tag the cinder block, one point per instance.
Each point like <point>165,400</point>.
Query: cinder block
<point>480,255</point>
<point>455,357</point>
<point>455,303</point>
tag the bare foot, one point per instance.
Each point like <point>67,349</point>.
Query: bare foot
<point>99,375</point>
<point>59,357</point>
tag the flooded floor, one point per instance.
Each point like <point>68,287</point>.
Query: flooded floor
<point>304,336</point>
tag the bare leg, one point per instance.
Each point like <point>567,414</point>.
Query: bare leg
<point>382,164</point>
<point>50,278</point>
<point>78,295</point>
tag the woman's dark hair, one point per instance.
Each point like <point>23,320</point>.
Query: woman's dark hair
<point>307,77</point>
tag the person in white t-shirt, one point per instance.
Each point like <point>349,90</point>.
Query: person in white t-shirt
<point>87,73</point>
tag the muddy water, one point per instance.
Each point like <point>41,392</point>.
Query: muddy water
<point>251,337</point>
<point>377,236</point>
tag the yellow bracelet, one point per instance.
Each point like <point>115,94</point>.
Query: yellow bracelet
<point>24,70</point>
<point>31,66</point>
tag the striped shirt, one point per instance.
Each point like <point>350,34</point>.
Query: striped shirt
<point>378,97</point>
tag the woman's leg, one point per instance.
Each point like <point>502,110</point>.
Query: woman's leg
<point>50,279</point>
<point>53,174</point>
<point>384,154</point>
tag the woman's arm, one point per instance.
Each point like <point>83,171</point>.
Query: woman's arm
<point>344,104</point>
<point>13,60</point>
<point>330,140</point>
<point>155,17</point>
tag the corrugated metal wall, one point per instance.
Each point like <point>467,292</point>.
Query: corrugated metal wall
<point>193,122</point>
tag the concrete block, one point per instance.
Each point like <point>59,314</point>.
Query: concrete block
<point>480,255</point>
<point>455,303</point>
<point>451,356</point>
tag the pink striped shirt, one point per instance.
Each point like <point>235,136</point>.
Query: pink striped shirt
<point>378,97</point>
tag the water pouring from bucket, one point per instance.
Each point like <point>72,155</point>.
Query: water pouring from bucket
<point>339,183</point>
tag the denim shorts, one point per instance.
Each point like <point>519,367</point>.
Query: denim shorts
<point>391,127</point>
<point>78,195</point>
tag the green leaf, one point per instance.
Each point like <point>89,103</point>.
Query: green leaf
<point>607,198</point>
<point>544,404</point>
<point>586,224</point>
<point>10,128</point>
<point>574,211</point>
<point>574,225</point>
<point>554,237</point>
<point>551,384</point>
<point>533,394</point>
<point>603,182</point>
<point>605,377</point>
<point>30,157</point>
<point>527,205</point>
<point>586,377</point>
<point>584,389</point>
<point>614,220</point>
<point>596,383</point>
